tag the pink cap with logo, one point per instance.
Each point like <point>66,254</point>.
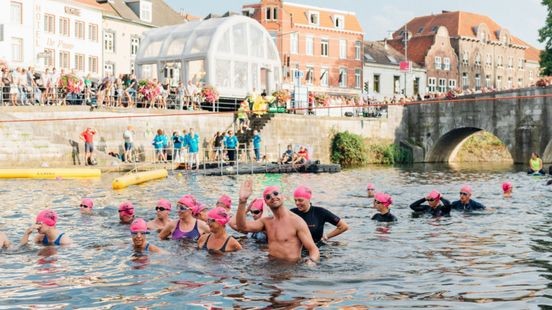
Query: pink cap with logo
<point>197,208</point>
<point>47,217</point>
<point>435,195</point>
<point>466,189</point>
<point>257,204</point>
<point>506,186</point>
<point>164,203</point>
<point>225,200</point>
<point>385,199</point>
<point>139,225</point>
<point>270,190</point>
<point>370,186</point>
<point>188,200</point>
<point>302,192</point>
<point>126,208</point>
<point>87,202</point>
<point>220,215</point>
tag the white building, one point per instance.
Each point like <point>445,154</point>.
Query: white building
<point>51,33</point>
<point>383,77</point>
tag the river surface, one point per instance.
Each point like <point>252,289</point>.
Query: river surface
<point>498,259</point>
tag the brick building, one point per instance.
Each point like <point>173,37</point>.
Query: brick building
<point>324,44</point>
<point>485,54</point>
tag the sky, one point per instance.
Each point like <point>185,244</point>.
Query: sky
<point>522,18</point>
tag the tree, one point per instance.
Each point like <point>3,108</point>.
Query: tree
<point>545,36</point>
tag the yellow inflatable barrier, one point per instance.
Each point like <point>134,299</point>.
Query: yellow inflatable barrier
<point>137,178</point>
<point>50,173</point>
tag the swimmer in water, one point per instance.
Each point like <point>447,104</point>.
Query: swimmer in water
<point>225,202</point>
<point>217,240</point>
<point>4,241</point>
<point>162,210</point>
<point>507,189</point>
<point>86,206</point>
<point>256,208</point>
<point>370,190</point>
<point>382,202</point>
<point>186,227</point>
<point>45,225</point>
<point>199,211</point>
<point>466,203</point>
<point>138,232</point>
<point>126,212</point>
<point>316,217</point>
<point>436,205</point>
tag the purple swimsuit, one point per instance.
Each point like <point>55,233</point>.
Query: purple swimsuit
<point>179,234</point>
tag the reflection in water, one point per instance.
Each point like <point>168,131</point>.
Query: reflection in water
<point>499,258</point>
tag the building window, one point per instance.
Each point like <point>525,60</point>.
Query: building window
<point>64,59</point>
<point>79,30</point>
<point>93,32</point>
<point>442,85</point>
<point>93,64</point>
<point>416,86</point>
<point>79,62</point>
<point>499,82</point>
<point>109,41</point>
<point>49,60</point>
<point>339,22</point>
<point>358,50</point>
<point>64,26</point>
<point>358,78</point>
<point>16,10</point>
<point>134,44</point>
<point>451,84</point>
<point>520,82</point>
<point>530,76</point>
<point>342,49</point>
<point>293,42</point>
<point>465,82</point>
<point>521,61</point>
<point>324,47</point>
<point>49,23</point>
<point>342,77</point>
<point>109,68</point>
<point>17,49</point>
<point>309,75</point>
<point>309,45</point>
<point>145,11</point>
<point>396,84</point>
<point>465,58</point>
<point>510,82</point>
<point>478,60</point>
<point>376,83</point>
<point>499,61</point>
<point>437,63</point>
<point>268,13</point>
<point>271,13</point>
<point>314,18</point>
<point>446,64</point>
<point>324,77</point>
<point>488,82</point>
<point>431,84</point>
<point>477,81</point>
<point>489,61</point>
<point>510,62</point>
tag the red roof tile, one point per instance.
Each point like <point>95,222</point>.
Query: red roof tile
<point>417,48</point>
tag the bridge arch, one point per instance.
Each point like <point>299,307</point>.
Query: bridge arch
<point>448,145</point>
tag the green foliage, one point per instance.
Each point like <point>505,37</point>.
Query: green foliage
<point>348,150</point>
<point>545,36</point>
<point>389,154</point>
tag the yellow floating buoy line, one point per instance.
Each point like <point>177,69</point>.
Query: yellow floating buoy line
<point>50,173</point>
<point>138,178</point>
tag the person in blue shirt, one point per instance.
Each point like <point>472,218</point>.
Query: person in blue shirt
<point>231,143</point>
<point>177,145</point>
<point>160,143</point>
<point>465,203</point>
<point>257,145</point>
<point>192,141</point>
<point>436,205</point>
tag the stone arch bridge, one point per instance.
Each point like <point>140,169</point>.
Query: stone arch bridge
<point>521,119</point>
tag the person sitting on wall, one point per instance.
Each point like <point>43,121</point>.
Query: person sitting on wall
<point>301,157</point>
<point>287,156</point>
<point>535,164</point>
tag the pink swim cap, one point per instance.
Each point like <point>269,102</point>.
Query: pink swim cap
<point>370,186</point>
<point>466,189</point>
<point>188,200</point>
<point>506,186</point>
<point>385,199</point>
<point>126,208</point>
<point>257,204</point>
<point>47,217</point>
<point>302,192</point>
<point>270,190</point>
<point>139,225</point>
<point>87,202</point>
<point>435,195</point>
<point>164,203</point>
<point>197,208</point>
<point>226,200</point>
<point>220,215</point>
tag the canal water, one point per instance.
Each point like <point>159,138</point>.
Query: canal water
<point>496,259</point>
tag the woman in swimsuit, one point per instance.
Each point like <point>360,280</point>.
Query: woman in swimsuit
<point>186,227</point>
<point>138,231</point>
<point>218,240</point>
<point>46,227</point>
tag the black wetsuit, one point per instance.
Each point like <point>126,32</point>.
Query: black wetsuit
<point>315,218</point>
<point>443,209</point>
<point>387,217</point>
<point>472,205</point>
